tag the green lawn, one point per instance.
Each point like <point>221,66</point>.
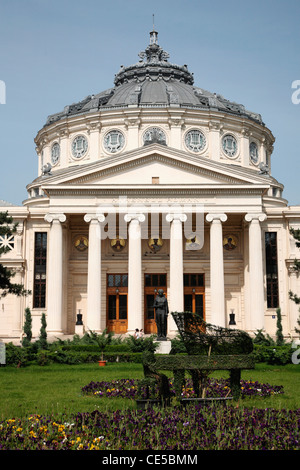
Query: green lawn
<point>56,389</point>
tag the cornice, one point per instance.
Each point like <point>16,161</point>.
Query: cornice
<point>201,190</point>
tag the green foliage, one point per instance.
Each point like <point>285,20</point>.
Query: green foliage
<point>102,340</point>
<point>43,333</point>
<point>177,346</point>
<point>273,355</point>
<point>279,334</point>
<point>15,355</point>
<point>263,339</point>
<point>200,337</point>
<point>141,344</point>
<point>27,328</point>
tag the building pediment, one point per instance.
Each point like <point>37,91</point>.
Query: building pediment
<point>153,165</point>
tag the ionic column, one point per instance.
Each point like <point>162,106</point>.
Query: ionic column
<point>135,296</point>
<point>176,300</point>
<point>256,277</point>
<point>217,290</point>
<point>55,274</point>
<point>93,314</point>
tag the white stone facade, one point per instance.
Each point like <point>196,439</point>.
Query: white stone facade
<point>155,191</point>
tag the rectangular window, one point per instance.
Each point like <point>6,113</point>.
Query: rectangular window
<point>40,267</point>
<point>271,269</point>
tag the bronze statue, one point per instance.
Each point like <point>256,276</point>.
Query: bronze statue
<point>161,314</point>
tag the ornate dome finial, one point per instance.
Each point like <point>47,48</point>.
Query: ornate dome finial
<point>153,35</point>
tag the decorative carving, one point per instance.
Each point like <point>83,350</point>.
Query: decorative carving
<point>95,217</point>
<point>211,217</point>
<point>55,217</point>
<point>230,242</point>
<point>81,243</point>
<point>155,244</point>
<point>118,244</point>
<point>261,217</point>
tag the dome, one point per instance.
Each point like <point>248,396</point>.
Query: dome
<point>154,81</point>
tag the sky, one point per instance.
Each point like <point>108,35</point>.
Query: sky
<point>57,52</point>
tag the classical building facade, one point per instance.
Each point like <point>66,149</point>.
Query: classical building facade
<point>153,183</point>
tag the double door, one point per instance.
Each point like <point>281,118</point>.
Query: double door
<point>117,303</point>
<point>194,294</point>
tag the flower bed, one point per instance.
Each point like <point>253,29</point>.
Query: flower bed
<point>191,428</point>
<point>215,388</point>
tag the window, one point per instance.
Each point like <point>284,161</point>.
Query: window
<point>117,280</point>
<point>193,280</point>
<point>271,269</point>
<point>40,266</point>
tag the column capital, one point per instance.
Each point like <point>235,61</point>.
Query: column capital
<point>58,217</point>
<point>260,217</point>
<point>138,217</point>
<point>95,217</point>
<point>173,216</point>
<point>212,217</point>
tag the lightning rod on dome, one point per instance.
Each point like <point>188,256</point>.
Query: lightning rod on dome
<point>153,34</point>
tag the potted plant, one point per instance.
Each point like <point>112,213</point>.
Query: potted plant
<point>103,340</point>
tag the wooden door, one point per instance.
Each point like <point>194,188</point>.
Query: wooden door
<point>194,295</point>
<point>117,303</point>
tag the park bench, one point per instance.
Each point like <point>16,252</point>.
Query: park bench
<point>209,348</point>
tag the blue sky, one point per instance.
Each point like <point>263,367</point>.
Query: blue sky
<point>54,53</point>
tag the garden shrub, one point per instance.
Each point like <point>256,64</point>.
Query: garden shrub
<point>279,355</point>
<point>15,355</point>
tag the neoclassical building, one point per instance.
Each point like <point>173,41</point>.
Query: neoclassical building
<point>152,183</point>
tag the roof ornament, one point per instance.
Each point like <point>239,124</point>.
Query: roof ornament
<point>46,170</point>
<point>154,53</point>
<point>153,35</point>
<point>264,169</point>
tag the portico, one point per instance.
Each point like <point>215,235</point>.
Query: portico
<point>120,284</point>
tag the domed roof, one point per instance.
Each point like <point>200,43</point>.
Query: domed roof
<point>154,81</point>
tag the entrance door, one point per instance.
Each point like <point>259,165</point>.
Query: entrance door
<point>194,294</point>
<point>153,282</point>
<point>117,315</point>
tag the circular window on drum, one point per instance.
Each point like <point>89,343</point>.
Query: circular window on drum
<point>79,146</point>
<point>114,141</point>
<point>195,140</point>
<point>55,153</point>
<point>154,135</point>
<point>253,149</point>
<point>229,145</point>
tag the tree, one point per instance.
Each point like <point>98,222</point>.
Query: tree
<point>43,333</point>
<point>27,328</point>
<point>7,229</point>
<point>279,334</point>
<point>294,297</point>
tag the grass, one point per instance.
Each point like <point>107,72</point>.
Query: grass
<point>56,389</point>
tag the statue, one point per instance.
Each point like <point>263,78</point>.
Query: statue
<point>161,314</point>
